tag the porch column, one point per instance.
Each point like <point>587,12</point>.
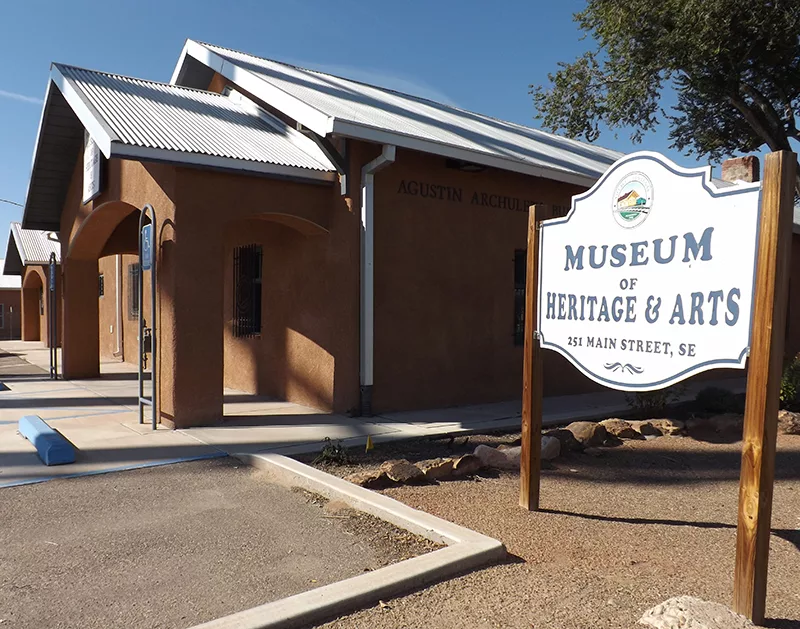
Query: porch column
<point>191,333</point>
<point>81,344</point>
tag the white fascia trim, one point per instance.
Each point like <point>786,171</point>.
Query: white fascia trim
<point>361,132</point>
<point>23,256</point>
<point>179,66</point>
<point>127,151</point>
<point>367,327</point>
<point>296,109</point>
<point>90,118</point>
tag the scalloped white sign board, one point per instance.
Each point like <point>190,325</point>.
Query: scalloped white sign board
<point>649,279</point>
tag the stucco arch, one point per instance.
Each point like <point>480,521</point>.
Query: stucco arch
<point>305,225</point>
<point>33,283</point>
<point>89,241</point>
<point>34,277</point>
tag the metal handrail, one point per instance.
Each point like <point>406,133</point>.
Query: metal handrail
<point>152,401</point>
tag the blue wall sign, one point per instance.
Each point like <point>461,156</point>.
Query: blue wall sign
<point>147,247</point>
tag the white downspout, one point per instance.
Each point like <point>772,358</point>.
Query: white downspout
<point>118,297</point>
<point>367,328</point>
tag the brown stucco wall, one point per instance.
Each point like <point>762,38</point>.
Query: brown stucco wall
<point>12,314</point>
<point>107,304</point>
<point>444,284</point>
<point>305,352</point>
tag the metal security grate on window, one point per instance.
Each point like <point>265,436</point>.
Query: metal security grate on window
<point>247,262</point>
<point>133,291</point>
<point>520,273</point>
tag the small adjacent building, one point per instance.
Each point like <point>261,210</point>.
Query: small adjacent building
<point>9,305</point>
<point>28,256</point>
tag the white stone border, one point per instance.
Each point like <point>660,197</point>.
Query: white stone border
<point>465,550</point>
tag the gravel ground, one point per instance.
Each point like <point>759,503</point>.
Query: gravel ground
<point>617,535</point>
<point>174,546</point>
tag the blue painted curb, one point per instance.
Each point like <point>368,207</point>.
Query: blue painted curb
<point>51,446</point>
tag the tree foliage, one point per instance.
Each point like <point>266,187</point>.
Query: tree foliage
<point>734,65</point>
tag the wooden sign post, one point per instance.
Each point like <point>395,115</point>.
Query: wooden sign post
<point>530,453</point>
<point>763,386</point>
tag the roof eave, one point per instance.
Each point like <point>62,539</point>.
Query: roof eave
<point>361,132</point>
<point>228,164</point>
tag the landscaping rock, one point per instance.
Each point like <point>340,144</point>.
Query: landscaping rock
<point>668,426</point>
<point>467,465</point>
<point>729,423</point>
<point>620,428</point>
<point>371,479</point>
<point>568,441</point>
<point>687,612</point>
<point>402,471</point>
<point>588,434</point>
<point>646,429</point>
<point>512,454</point>
<point>789,423</point>
<point>491,457</point>
<point>437,469</point>
<point>551,448</point>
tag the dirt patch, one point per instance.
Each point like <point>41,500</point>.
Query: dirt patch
<point>174,546</point>
<point>618,534</point>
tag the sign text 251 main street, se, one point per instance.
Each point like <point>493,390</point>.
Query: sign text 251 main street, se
<point>649,279</point>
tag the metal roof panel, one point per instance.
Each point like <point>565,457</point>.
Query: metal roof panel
<point>152,115</point>
<point>359,109</point>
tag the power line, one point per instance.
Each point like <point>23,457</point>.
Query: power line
<point>11,202</point>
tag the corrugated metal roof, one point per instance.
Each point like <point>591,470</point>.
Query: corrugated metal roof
<point>35,246</point>
<point>146,114</point>
<point>358,110</point>
<point>8,281</point>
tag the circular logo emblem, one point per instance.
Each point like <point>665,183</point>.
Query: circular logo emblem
<point>633,199</point>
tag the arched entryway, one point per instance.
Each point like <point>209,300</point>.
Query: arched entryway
<point>110,230</point>
<point>33,305</point>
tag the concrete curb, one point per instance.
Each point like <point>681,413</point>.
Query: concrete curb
<point>465,550</point>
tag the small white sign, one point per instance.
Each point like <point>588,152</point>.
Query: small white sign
<point>91,169</point>
<point>649,279</point>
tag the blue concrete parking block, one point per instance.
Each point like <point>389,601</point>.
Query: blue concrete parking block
<point>52,447</point>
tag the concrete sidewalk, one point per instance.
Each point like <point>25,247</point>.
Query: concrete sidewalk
<point>99,416</point>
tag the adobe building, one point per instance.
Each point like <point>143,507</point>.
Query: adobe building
<point>317,240</point>
<point>28,256</point>
<point>9,305</point>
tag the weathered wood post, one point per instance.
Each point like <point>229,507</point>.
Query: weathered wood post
<point>530,454</point>
<point>763,386</point>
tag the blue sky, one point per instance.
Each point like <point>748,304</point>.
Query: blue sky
<point>478,55</point>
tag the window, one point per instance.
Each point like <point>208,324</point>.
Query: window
<point>101,285</point>
<point>520,273</point>
<point>247,262</point>
<point>2,315</point>
<point>41,300</point>
<point>133,291</point>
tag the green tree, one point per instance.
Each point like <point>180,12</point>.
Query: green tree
<point>734,65</point>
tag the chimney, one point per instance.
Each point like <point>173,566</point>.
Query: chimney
<point>741,169</point>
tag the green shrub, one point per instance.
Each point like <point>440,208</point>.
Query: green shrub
<point>790,383</point>
<point>718,400</point>
<point>332,453</point>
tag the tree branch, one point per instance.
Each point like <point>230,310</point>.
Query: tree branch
<point>772,117</point>
<point>754,120</point>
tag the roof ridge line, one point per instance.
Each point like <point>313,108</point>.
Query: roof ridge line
<point>136,78</point>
